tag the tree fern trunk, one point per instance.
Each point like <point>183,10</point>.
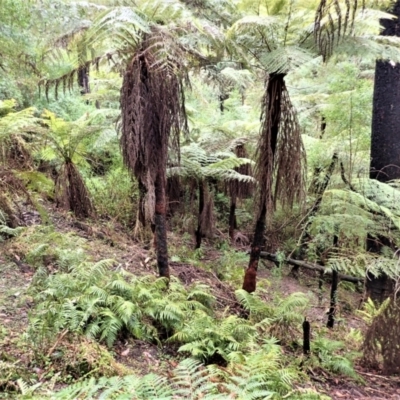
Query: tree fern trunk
<point>250,277</point>
<point>160,224</point>
<point>232,218</point>
<point>273,114</point>
<point>199,233</point>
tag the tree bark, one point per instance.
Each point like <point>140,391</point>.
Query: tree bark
<point>83,80</point>
<point>306,337</point>
<point>199,233</point>
<point>385,139</point>
<point>232,218</point>
<point>274,91</point>
<point>160,224</point>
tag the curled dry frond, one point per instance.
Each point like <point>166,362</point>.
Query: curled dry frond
<point>153,108</point>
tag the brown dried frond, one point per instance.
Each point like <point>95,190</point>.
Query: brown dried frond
<point>153,110</point>
<point>290,156</point>
<point>332,22</point>
<point>382,341</point>
<point>280,152</point>
<point>71,192</point>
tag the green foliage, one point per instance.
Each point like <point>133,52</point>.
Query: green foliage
<point>208,338</point>
<point>281,318</point>
<point>330,355</point>
<point>115,195</point>
<point>371,310</point>
<point>260,376</point>
<point>92,300</point>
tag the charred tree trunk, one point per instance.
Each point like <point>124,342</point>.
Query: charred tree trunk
<point>142,198</point>
<point>83,80</point>
<point>332,309</point>
<point>306,337</point>
<point>199,233</point>
<point>334,286</point>
<point>161,225</point>
<point>385,139</point>
<point>274,92</point>
<point>232,218</point>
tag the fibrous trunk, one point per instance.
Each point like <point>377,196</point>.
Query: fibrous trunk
<point>266,155</point>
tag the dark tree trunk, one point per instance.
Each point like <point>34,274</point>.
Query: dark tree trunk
<point>274,91</point>
<point>83,79</point>
<point>232,218</point>
<point>334,286</point>
<point>142,196</point>
<point>385,139</point>
<point>160,224</point>
<point>306,337</point>
<point>332,309</point>
<point>199,233</point>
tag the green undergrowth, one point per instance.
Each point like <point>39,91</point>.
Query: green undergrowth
<point>83,311</point>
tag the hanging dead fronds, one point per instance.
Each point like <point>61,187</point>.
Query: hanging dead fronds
<point>71,192</point>
<point>153,110</point>
<point>290,156</point>
<point>280,153</point>
<point>382,341</point>
<point>333,20</point>
<point>67,80</point>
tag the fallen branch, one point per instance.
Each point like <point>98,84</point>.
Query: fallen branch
<point>314,267</point>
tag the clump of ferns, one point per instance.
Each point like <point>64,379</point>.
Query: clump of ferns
<point>332,357</point>
<point>260,376</point>
<point>92,300</point>
<point>281,319</point>
<point>214,340</point>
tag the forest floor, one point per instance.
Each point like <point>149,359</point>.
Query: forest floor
<point>106,241</point>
